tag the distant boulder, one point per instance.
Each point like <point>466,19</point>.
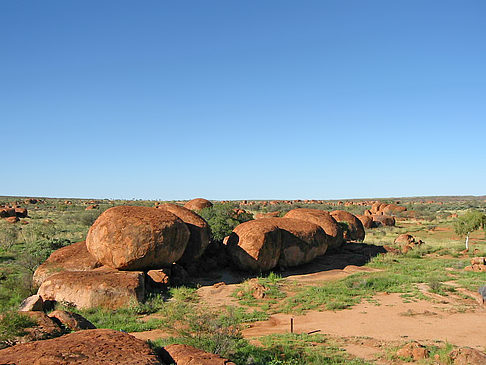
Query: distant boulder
<point>198,204</point>
<point>137,238</point>
<point>383,220</point>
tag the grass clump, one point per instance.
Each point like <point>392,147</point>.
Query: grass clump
<point>12,325</point>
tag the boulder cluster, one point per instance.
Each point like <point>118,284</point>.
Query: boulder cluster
<point>127,249</point>
<point>12,214</point>
<point>478,264</point>
<point>381,214</point>
<point>297,238</point>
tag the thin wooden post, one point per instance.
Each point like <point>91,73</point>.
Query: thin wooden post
<point>291,325</point>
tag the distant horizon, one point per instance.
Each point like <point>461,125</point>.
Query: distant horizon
<point>250,199</point>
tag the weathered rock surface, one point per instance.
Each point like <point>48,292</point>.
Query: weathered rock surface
<point>32,303</point>
<point>366,221</point>
<point>468,356</point>
<point>97,346</point>
<point>97,288</point>
<point>301,241</point>
<point>322,219</point>
<point>255,245</point>
<point>198,228</point>
<point>136,238</point>
<point>198,204</point>
<point>413,350</point>
<point>383,220</point>
<point>188,355</point>
<point>72,321</point>
<point>74,257</point>
<point>355,231</point>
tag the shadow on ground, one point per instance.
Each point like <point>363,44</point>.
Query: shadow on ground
<point>352,253</point>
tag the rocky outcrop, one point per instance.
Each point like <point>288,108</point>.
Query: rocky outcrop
<point>137,238</point>
<point>198,228</point>
<point>322,219</point>
<point>102,287</point>
<point>467,356</point>
<point>97,346</point>
<point>74,257</point>
<point>32,303</point>
<point>198,204</point>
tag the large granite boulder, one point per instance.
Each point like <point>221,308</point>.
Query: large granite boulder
<point>137,238</point>
<point>198,228</point>
<point>322,219</point>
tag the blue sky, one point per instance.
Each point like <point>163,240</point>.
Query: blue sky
<point>243,99</point>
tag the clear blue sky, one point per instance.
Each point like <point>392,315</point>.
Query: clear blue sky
<point>243,99</point>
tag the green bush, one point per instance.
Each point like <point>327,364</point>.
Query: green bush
<point>13,324</point>
<point>222,219</point>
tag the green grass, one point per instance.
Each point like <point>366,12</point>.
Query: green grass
<point>13,324</point>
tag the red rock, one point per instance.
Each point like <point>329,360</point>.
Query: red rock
<point>366,220</point>
<point>134,238</point>
<point>198,204</point>
<point>322,219</point>
<point>12,219</point>
<point>96,346</point>
<point>74,257</point>
<point>21,212</point>
<point>72,321</point>
<point>255,245</point>
<point>355,231</point>
<point>198,228</point>
<point>102,287</point>
<point>468,356</point>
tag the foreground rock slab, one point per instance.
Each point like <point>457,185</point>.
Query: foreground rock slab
<point>99,346</point>
<point>105,288</point>
<point>188,355</point>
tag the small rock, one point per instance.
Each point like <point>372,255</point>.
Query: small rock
<point>188,355</point>
<point>32,303</point>
<point>468,356</point>
<point>73,321</point>
<point>159,278</point>
<point>413,350</point>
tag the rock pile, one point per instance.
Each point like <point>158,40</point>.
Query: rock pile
<point>124,252</point>
<point>478,264</point>
<point>12,214</point>
<point>407,242</point>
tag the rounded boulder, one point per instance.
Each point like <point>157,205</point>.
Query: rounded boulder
<point>355,230</point>
<point>137,238</point>
<point>198,204</point>
<point>198,228</point>
<point>255,245</point>
<point>322,219</point>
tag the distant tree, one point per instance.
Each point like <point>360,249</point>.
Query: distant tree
<point>468,223</point>
<point>222,219</point>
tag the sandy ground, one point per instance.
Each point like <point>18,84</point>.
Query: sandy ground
<point>391,320</point>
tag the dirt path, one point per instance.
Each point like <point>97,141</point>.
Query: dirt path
<point>391,320</point>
